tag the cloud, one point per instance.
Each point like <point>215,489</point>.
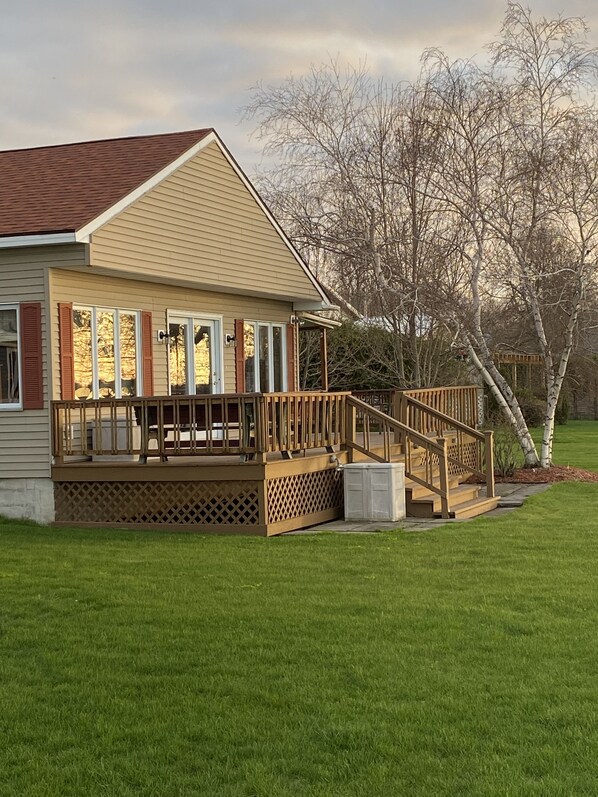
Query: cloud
<point>78,70</point>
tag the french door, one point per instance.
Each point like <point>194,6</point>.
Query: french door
<point>194,355</point>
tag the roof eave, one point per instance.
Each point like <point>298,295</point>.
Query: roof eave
<point>42,239</point>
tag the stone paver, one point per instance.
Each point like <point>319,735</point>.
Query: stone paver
<point>512,495</point>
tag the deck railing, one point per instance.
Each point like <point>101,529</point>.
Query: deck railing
<point>469,450</point>
<point>460,402</point>
<point>251,425</point>
<point>301,421</point>
<point>157,426</point>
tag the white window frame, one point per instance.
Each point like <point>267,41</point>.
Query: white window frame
<point>256,360</point>
<point>177,316</point>
<point>95,309</point>
<point>19,405</point>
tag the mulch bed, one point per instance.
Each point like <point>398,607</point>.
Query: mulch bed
<point>557,473</point>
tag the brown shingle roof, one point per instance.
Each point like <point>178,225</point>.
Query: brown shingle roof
<point>62,188</point>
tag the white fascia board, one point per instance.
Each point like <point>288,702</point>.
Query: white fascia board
<point>307,305</point>
<point>83,233</point>
<point>245,180</point>
<point>12,241</point>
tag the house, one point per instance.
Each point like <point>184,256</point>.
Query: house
<point>149,313</point>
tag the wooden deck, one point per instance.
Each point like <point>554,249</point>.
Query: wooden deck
<point>245,463</point>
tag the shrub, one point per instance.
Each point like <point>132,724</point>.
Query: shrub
<point>562,411</point>
<point>532,407</point>
<point>507,451</point>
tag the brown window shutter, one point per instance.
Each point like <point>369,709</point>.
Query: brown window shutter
<point>32,373</point>
<point>147,353</point>
<point>239,355</point>
<point>66,352</point>
<point>291,358</point>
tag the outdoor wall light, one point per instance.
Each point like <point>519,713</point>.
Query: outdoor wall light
<point>229,339</point>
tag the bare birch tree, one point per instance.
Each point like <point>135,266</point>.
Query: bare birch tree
<point>547,189</point>
<point>350,186</point>
<point>442,204</point>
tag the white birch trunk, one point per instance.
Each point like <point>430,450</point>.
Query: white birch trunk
<point>557,379</point>
<point>498,385</point>
<point>512,413</point>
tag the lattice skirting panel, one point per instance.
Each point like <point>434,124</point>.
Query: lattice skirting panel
<point>304,498</point>
<point>223,504</point>
<point>470,454</point>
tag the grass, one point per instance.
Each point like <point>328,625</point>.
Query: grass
<point>575,444</point>
<point>455,662</point>
<point>460,661</point>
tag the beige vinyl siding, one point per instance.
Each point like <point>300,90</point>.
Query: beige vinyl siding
<point>99,290</point>
<point>201,224</point>
<point>25,434</point>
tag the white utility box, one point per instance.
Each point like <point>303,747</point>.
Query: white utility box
<point>121,432</point>
<point>374,491</point>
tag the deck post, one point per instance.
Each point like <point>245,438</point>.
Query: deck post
<point>399,412</point>
<point>350,429</point>
<point>58,433</point>
<point>444,479</point>
<point>324,358</point>
<point>489,437</point>
<point>262,491</point>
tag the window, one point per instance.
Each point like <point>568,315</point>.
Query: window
<point>10,366</point>
<point>194,355</point>
<point>265,357</point>
<point>106,352</point>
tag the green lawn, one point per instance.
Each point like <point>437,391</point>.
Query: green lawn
<point>575,444</point>
<point>460,661</point>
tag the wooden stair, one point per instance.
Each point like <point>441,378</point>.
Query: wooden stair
<point>420,502</point>
<point>442,439</point>
<point>465,500</point>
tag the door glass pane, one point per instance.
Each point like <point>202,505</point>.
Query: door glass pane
<point>177,358</point>
<point>202,337</point>
<point>106,364</point>
<point>128,354</point>
<point>249,342</point>
<point>83,357</point>
<point>9,357</point>
<point>277,358</point>
<point>264,358</point>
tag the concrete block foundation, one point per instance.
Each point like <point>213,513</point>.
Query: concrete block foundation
<point>30,499</point>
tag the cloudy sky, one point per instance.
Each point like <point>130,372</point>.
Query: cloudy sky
<point>72,70</point>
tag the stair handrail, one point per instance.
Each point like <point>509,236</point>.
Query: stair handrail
<point>486,437</point>
<point>411,438</point>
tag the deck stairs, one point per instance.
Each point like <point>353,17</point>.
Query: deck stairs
<point>465,499</point>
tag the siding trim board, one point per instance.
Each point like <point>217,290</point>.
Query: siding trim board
<point>206,223</point>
